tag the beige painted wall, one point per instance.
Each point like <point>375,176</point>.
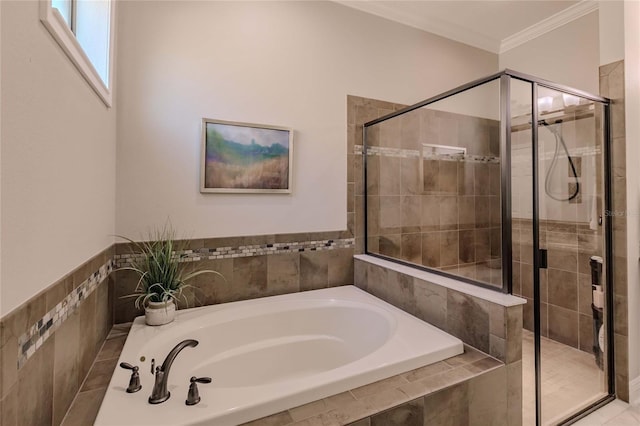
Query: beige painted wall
<point>58,160</point>
<point>568,55</point>
<point>289,64</point>
<point>612,29</point>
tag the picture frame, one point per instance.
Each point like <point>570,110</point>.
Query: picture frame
<point>245,158</point>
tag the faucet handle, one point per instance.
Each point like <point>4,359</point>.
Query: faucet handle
<point>193,397</point>
<point>134,381</point>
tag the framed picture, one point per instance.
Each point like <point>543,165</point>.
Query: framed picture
<point>245,158</point>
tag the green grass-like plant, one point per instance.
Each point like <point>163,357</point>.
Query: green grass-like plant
<point>162,277</point>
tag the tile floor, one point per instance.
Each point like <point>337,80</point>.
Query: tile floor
<point>570,380</point>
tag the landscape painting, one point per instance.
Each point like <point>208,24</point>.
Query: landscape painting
<point>243,157</point>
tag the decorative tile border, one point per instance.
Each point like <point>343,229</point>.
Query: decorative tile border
<point>413,153</point>
<point>39,332</point>
<point>123,260</point>
<point>525,158</point>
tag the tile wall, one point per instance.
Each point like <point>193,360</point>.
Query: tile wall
<point>253,266</point>
<point>612,86</point>
<point>44,363</point>
<point>565,286</point>
<point>569,230</point>
<point>359,111</point>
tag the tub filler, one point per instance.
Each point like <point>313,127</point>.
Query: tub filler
<point>270,354</point>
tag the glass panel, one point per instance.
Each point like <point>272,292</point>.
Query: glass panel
<point>433,186</point>
<point>64,7</point>
<point>93,31</point>
<point>570,180</point>
<point>522,233</point>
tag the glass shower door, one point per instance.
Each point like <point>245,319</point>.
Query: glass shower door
<point>570,236</point>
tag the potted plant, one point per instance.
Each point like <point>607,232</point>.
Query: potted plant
<point>162,276</point>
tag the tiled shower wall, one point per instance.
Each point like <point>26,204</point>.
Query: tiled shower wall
<point>565,286</point>
<point>441,211</point>
<point>568,229</point>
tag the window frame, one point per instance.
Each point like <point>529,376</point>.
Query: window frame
<point>62,34</point>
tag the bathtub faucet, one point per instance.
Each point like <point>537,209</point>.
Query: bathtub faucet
<point>160,392</point>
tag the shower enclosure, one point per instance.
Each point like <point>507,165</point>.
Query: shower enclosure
<point>504,183</point>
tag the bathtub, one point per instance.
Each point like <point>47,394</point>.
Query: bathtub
<point>270,354</point>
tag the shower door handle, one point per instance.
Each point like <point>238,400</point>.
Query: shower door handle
<point>542,258</point>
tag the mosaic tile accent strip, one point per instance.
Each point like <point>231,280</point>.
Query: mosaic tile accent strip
<point>579,153</point>
<point>39,332</point>
<point>124,260</point>
<point>413,153</point>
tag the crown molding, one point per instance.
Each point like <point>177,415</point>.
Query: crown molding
<point>429,24</point>
<point>549,24</point>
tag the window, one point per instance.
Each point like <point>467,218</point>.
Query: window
<point>83,29</point>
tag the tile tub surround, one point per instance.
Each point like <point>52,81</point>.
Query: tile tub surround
<point>40,331</point>
<point>41,391</point>
<point>460,383</point>
<point>485,319</point>
<point>252,266</point>
<point>469,389</point>
<point>612,86</point>
<point>85,406</point>
<point>456,381</point>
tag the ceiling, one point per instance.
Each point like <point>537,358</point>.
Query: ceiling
<point>496,26</point>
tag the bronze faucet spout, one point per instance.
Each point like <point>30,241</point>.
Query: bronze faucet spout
<point>160,392</point>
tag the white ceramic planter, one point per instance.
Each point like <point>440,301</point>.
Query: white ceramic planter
<point>160,313</point>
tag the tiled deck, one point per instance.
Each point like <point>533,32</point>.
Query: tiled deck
<point>372,400</point>
<point>85,406</point>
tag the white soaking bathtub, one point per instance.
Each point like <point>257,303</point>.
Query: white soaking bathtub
<point>270,354</point>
